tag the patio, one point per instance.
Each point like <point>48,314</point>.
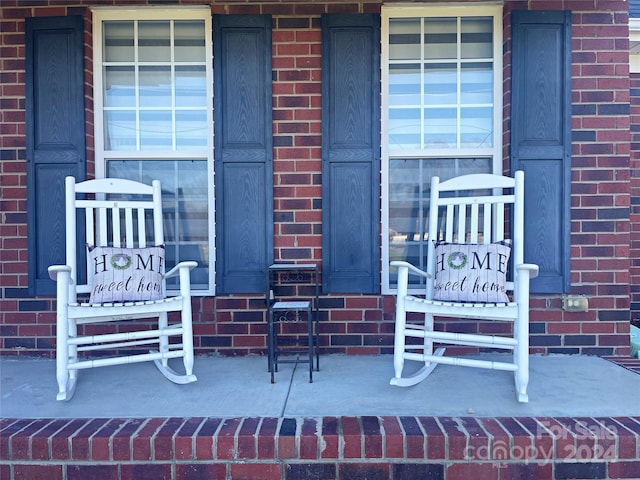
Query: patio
<point>582,421</point>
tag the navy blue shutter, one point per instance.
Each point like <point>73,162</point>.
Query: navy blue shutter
<point>55,136</point>
<point>350,153</point>
<point>541,140</point>
<point>243,151</point>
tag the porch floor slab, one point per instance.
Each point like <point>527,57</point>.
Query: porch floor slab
<point>560,386</point>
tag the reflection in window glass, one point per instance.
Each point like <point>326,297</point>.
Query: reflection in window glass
<point>156,130</point>
<point>155,96</point>
<point>189,40</point>
<point>119,90</point>
<point>118,41</point>
<point>444,62</point>
<point>409,190</point>
<point>154,41</point>
<point>155,86</point>
<point>184,196</point>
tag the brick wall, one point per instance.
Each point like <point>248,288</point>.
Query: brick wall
<point>601,191</point>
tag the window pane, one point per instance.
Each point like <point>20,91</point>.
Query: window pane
<point>477,37</point>
<point>475,127</point>
<point>440,84</point>
<point>184,196</point>
<point>156,131</point>
<point>118,41</point>
<point>404,84</point>
<point>155,86</point>
<point>404,128</point>
<point>404,39</point>
<point>440,126</point>
<point>119,87</point>
<point>191,129</point>
<point>189,40</point>
<point>191,86</point>
<point>440,38</point>
<point>476,83</point>
<point>154,44</point>
<point>120,130</point>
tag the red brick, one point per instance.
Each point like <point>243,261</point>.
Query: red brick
<point>364,470</point>
<point>37,472</point>
<point>393,438</point>
<point>352,438</point>
<point>84,472</point>
<point>226,439</point>
<point>309,439</point>
<point>137,471</point>
<point>437,442</point>
<point>415,437</point>
<point>628,433</point>
<point>266,438</point>
<point>372,437</point>
<point>247,438</point>
<point>624,469</point>
<point>185,471</point>
<point>257,471</point>
<point>330,440</point>
<point>467,470</point>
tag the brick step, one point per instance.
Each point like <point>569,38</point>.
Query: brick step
<point>446,448</point>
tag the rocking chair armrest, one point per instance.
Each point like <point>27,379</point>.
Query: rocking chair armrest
<point>532,268</point>
<point>411,268</point>
<point>176,270</point>
<point>55,270</point>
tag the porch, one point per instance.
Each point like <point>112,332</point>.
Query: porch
<point>582,421</point>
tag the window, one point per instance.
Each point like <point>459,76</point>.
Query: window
<point>153,119</point>
<point>441,113</point>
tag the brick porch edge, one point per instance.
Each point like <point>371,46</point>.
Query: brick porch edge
<point>321,447</point>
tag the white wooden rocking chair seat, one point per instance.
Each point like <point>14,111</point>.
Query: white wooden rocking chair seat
<point>465,217</point>
<point>111,223</point>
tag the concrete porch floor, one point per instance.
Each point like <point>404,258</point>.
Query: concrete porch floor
<point>128,422</point>
<point>345,385</point>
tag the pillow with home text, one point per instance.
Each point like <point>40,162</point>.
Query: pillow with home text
<point>471,272</point>
<point>126,274</point>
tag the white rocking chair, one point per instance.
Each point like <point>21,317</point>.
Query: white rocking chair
<point>121,214</point>
<point>461,214</point>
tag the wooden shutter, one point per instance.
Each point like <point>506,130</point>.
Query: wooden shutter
<point>55,136</point>
<point>541,140</point>
<point>351,153</point>
<point>243,152</point>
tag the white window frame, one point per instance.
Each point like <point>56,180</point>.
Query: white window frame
<point>102,14</point>
<point>495,152</point>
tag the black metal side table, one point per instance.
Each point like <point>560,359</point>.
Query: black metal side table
<point>286,304</point>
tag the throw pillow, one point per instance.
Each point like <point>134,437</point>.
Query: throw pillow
<point>126,274</point>
<point>471,272</point>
